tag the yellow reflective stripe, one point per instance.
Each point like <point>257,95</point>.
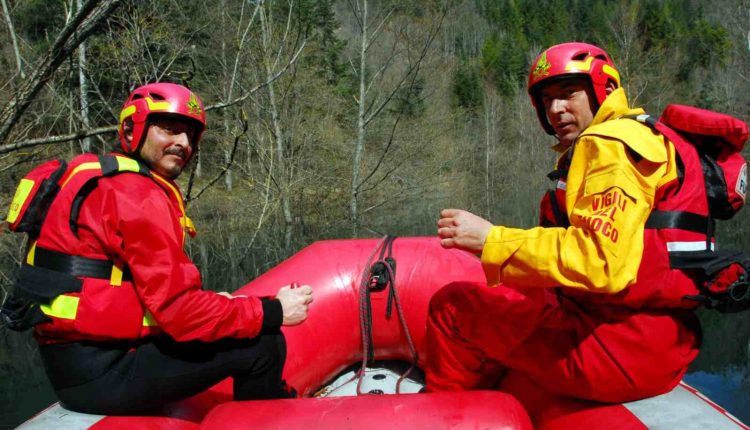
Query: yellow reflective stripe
<point>185,222</point>
<point>66,307</point>
<point>580,65</point>
<point>115,278</point>
<point>187,225</point>
<point>152,107</point>
<point>130,110</point>
<point>611,72</point>
<point>127,165</point>
<point>148,320</point>
<point>585,66</point>
<point>174,190</point>
<point>22,193</point>
<point>62,306</point>
<point>92,165</point>
<point>30,255</point>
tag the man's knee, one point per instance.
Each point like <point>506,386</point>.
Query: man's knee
<point>453,296</point>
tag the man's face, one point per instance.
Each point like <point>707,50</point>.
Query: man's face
<point>569,108</point>
<point>167,147</point>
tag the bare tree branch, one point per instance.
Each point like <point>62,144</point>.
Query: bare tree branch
<point>113,128</point>
<point>75,32</point>
<point>382,155</point>
<point>57,139</point>
<point>412,71</point>
<point>273,78</point>
<point>188,198</point>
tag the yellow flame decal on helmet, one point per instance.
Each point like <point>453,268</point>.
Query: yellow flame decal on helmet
<point>157,106</point>
<point>152,107</point>
<point>130,110</point>
<point>193,106</point>
<point>612,72</point>
<point>542,67</point>
<point>583,66</point>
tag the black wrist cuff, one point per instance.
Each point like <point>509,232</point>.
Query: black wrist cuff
<point>273,314</point>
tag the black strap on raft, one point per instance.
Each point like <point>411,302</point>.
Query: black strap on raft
<point>376,276</point>
<point>382,275</point>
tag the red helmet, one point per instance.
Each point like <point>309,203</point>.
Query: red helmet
<point>162,99</point>
<point>566,60</point>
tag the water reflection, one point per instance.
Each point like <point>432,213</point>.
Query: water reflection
<point>722,369</point>
<point>730,389</point>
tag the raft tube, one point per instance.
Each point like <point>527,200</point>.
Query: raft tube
<point>330,341</point>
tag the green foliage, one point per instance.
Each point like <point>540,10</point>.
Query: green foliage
<point>409,99</point>
<point>710,44</point>
<point>322,27</point>
<point>503,56</point>
<point>503,64</point>
<point>467,86</point>
<point>38,21</point>
<point>659,27</point>
<point>663,28</point>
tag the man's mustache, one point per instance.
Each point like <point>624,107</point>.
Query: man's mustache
<point>174,150</point>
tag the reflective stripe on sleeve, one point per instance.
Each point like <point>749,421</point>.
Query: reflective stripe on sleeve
<point>688,246</point>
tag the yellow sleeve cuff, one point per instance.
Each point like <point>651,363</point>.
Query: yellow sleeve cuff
<point>500,245</point>
<point>490,253</point>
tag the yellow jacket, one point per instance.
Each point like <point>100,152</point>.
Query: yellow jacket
<point>616,168</point>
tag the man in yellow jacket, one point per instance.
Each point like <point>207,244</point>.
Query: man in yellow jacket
<point>586,304</point>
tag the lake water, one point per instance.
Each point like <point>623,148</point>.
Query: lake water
<point>729,389</point>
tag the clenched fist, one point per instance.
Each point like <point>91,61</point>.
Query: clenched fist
<point>295,302</point>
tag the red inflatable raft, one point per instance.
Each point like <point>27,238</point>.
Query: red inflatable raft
<point>331,341</point>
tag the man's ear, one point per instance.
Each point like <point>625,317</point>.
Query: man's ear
<point>127,129</point>
<point>610,87</point>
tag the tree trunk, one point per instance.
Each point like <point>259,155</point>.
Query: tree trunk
<point>359,147</point>
<point>84,90</point>
<point>490,114</point>
<point>282,178</point>
<point>13,39</point>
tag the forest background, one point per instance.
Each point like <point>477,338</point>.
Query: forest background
<point>345,118</point>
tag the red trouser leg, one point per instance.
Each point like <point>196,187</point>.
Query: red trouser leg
<point>600,354</point>
<point>464,342</point>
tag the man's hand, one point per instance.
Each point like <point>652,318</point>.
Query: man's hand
<point>294,303</point>
<point>463,230</point>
